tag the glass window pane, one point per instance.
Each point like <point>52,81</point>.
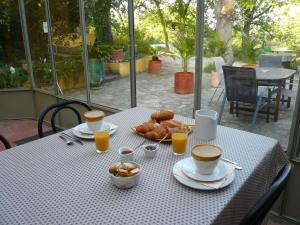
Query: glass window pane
<point>247,43</point>
<point>13,66</point>
<point>108,63</point>
<point>165,40</point>
<point>37,27</point>
<point>67,45</point>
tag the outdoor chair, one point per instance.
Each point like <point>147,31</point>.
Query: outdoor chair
<point>258,212</point>
<point>275,61</point>
<point>218,62</point>
<point>5,142</point>
<point>241,87</point>
<point>58,107</point>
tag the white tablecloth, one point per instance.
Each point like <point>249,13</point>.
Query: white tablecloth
<point>48,182</point>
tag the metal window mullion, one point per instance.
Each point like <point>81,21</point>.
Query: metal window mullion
<point>50,44</point>
<point>132,53</point>
<point>84,51</point>
<point>26,42</point>
<point>199,54</point>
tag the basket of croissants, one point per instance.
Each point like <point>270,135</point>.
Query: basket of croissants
<point>161,126</point>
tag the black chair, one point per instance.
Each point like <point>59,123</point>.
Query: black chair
<point>58,107</point>
<point>257,213</point>
<point>241,87</point>
<point>5,142</point>
<point>274,61</point>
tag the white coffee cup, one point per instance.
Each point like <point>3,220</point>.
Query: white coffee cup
<point>206,157</point>
<point>206,124</point>
<point>94,119</point>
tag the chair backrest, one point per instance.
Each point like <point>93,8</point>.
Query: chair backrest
<point>58,107</point>
<point>270,61</point>
<point>219,62</point>
<point>5,142</point>
<point>240,84</point>
<point>257,213</point>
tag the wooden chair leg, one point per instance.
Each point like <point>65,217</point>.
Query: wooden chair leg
<point>231,107</point>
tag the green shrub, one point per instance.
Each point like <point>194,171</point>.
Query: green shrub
<point>12,77</point>
<point>208,68</point>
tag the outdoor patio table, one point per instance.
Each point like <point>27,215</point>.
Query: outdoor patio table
<point>276,75</point>
<point>49,182</point>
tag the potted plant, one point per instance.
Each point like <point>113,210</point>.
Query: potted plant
<point>117,54</point>
<point>154,65</point>
<point>43,74</point>
<point>214,78</point>
<point>248,54</point>
<point>98,53</point>
<point>184,80</point>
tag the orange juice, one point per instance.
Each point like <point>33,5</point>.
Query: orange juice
<point>102,141</point>
<point>179,141</point>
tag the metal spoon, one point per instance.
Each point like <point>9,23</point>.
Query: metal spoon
<point>69,142</point>
<point>136,147</point>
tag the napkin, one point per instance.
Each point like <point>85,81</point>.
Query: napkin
<point>212,184</point>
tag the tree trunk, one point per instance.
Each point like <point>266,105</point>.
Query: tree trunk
<point>102,21</point>
<point>163,23</point>
<point>224,14</point>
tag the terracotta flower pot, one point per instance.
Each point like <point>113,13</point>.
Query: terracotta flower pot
<point>214,79</point>
<point>184,82</point>
<point>154,66</point>
<point>117,54</point>
<point>250,66</point>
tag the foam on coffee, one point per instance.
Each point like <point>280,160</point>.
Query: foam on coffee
<point>93,115</point>
<point>206,152</point>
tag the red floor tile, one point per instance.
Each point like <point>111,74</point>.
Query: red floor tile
<point>14,130</point>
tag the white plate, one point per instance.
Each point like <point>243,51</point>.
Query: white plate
<point>189,168</point>
<point>83,128</point>
<point>179,176</point>
<point>112,129</point>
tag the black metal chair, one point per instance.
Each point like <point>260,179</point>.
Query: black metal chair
<point>241,87</point>
<point>58,107</point>
<point>274,61</point>
<point>258,212</point>
<point>5,142</point>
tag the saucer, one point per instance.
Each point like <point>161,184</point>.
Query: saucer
<point>189,169</point>
<point>205,186</point>
<point>112,129</point>
<point>83,128</point>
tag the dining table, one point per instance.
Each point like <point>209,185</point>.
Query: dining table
<point>277,76</point>
<point>49,182</point>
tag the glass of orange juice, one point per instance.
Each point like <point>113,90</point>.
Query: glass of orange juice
<point>102,141</point>
<point>179,141</point>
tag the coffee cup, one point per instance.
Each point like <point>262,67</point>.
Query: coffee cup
<point>94,119</point>
<point>206,157</point>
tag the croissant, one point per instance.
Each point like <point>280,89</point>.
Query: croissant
<point>146,127</point>
<point>163,114</point>
<point>171,123</point>
<point>158,133</point>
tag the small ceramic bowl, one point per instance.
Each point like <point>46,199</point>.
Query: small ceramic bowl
<point>126,154</point>
<point>126,182</point>
<point>150,150</point>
